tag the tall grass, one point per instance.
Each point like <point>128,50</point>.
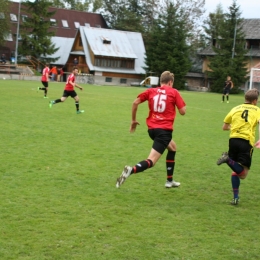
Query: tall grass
<point>58,198</point>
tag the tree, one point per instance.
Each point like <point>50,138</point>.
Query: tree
<point>123,15</point>
<point>35,34</point>
<point>230,59</point>
<point>167,48</point>
<point>4,21</point>
<point>212,24</point>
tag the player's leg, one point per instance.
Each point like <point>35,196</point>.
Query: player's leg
<point>159,146</point>
<point>43,83</point>
<point>46,84</point>
<point>170,164</point>
<point>62,99</point>
<point>76,98</point>
<point>227,97</point>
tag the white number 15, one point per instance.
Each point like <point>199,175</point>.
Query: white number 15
<point>159,104</point>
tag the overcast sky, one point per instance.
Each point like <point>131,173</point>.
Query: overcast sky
<point>249,8</point>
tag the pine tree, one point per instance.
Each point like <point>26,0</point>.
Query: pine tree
<point>35,33</point>
<point>230,59</point>
<point>167,48</point>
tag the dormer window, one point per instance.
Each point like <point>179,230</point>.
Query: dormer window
<point>77,25</point>
<point>53,22</point>
<point>13,17</point>
<point>105,40</point>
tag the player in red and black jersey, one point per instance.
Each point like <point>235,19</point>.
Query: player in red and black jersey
<point>45,80</point>
<point>69,91</point>
<point>162,102</point>
<point>228,85</point>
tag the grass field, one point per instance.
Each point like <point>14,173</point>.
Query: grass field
<point>58,198</point>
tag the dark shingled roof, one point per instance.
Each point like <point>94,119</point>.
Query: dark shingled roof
<point>251,28</point>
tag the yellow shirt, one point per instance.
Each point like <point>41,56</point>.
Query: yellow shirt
<point>243,120</point>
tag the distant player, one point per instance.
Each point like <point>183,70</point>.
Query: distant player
<point>241,121</point>
<point>163,103</point>
<point>228,85</point>
<point>45,80</point>
<point>70,92</point>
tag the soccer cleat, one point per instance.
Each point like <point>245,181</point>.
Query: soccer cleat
<point>170,184</point>
<point>227,101</point>
<point>45,97</point>
<point>235,201</point>
<point>38,89</point>
<point>125,174</point>
<point>222,101</point>
<point>80,111</point>
<point>51,103</point>
<point>223,159</point>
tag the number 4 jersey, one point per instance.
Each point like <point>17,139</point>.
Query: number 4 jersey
<point>162,104</point>
<point>243,120</point>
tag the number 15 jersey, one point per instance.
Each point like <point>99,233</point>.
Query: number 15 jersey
<point>162,103</point>
<point>243,120</point>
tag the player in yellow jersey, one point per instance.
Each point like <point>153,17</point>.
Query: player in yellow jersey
<point>241,121</point>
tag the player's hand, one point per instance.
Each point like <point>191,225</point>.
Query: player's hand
<point>257,144</point>
<point>80,88</point>
<point>133,126</point>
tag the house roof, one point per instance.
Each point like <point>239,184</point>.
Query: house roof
<point>122,44</point>
<point>64,45</point>
<point>251,28</point>
<point>73,19</point>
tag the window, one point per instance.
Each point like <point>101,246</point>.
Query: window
<point>97,62</point>
<point>13,17</point>
<point>77,24</point>
<point>123,81</point>
<point>65,23</point>
<point>53,22</point>
<point>2,16</point>
<point>108,79</point>
<point>9,37</point>
<point>24,17</point>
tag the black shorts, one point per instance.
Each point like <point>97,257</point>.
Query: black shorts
<point>226,91</point>
<point>67,93</point>
<point>241,151</point>
<point>45,84</point>
<point>161,139</point>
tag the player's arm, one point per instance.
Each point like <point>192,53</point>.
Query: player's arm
<point>78,86</point>
<point>226,126</point>
<point>232,84</point>
<point>182,110</point>
<point>134,123</point>
<point>257,144</point>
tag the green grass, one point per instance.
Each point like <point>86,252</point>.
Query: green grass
<point>58,171</point>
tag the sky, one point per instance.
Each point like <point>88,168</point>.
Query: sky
<point>248,8</point>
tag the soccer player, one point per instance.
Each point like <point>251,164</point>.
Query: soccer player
<point>45,80</point>
<point>227,87</point>
<point>162,102</point>
<point>69,91</point>
<point>241,121</point>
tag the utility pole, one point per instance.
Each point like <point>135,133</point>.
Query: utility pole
<point>17,33</point>
<point>234,42</point>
